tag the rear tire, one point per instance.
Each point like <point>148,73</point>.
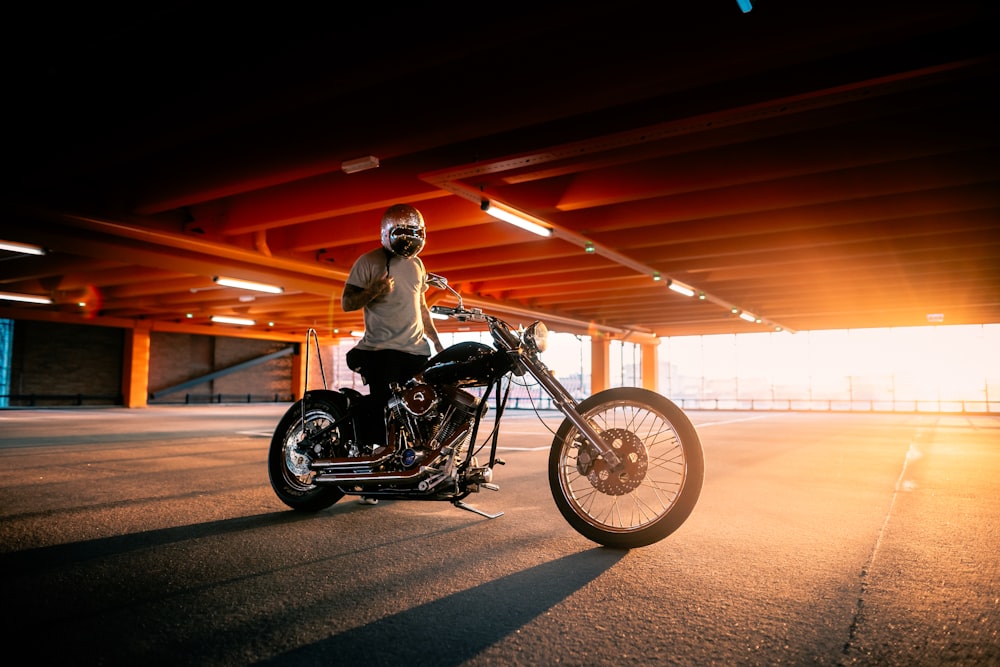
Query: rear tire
<point>659,484</point>
<point>288,460</point>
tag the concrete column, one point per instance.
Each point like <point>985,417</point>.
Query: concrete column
<point>650,365</point>
<point>135,368</point>
<point>600,363</point>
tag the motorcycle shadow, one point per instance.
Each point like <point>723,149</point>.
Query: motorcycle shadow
<point>474,619</point>
<point>61,556</point>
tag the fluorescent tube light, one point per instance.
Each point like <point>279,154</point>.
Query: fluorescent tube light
<point>749,317</point>
<point>359,164</point>
<point>248,284</point>
<point>516,218</point>
<point>26,248</point>
<point>25,298</point>
<point>680,288</point>
<point>225,319</point>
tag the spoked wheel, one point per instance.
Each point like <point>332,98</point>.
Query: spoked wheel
<point>654,490</point>
<point>290,455</point>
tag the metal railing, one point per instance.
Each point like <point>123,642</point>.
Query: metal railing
<point>937,406</point>
<point>536,402</point>
<point>207,399</point>
<point>57,400</point>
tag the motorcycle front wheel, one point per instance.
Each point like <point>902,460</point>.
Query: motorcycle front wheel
<point>658,484</point>
<point>290,454</point>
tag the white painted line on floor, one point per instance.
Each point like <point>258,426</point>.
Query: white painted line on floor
<point>731,421</point>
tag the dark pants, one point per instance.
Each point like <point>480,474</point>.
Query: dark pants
<point>379,369</point>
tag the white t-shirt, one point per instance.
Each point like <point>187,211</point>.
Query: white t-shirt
<point>392,321</point>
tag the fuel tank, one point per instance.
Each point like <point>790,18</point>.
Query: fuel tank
<point>467,364</point>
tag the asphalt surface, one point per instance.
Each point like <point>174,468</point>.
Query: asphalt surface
<point>152,537</point>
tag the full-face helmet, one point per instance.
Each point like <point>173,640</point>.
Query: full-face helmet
<point>403,230</point>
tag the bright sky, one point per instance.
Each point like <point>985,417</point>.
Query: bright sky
<point>927,363</point>
<point>919,362</point>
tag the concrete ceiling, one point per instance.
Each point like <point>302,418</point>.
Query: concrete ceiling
<point>819,165</point>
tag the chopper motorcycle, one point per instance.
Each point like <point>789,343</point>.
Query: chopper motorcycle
<point>625,467</point>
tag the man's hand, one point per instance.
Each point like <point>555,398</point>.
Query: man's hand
<point>355,297</point>
<point>382,286</point>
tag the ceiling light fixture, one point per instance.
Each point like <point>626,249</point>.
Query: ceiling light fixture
<point>25,248</point>
<point>516,218</point>
<point>680,288</point>
<point>749,317</point>
<point>225,319</point>
<point>247,284</point>
<point>359,164</point>
<point>25,298</point>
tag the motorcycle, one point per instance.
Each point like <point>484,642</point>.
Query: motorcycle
<point>625,467</point>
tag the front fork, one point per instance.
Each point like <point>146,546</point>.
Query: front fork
<point>566,405</point>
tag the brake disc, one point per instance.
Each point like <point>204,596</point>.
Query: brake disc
<point>632,454</point>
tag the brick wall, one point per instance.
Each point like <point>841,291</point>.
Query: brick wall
<point>59,363</point>
<point>180,358</point>
<point>65,362</point>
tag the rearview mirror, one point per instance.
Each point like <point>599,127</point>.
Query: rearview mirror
<point>439,281</point>
<point>434,280</point>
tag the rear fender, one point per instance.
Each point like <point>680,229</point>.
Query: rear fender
<point>344,402</point>
<point>337,398</point>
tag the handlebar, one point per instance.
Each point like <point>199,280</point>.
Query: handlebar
<point>461,314</point>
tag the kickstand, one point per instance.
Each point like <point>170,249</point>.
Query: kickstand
<point>459,504</point>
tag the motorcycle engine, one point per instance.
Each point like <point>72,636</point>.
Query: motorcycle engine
<point>462,407</point>
<point>432,419</point>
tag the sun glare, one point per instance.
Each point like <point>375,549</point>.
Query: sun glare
<point>932,363</point>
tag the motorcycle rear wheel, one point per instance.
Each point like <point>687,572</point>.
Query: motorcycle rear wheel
<point>288,461</point>
<point>659,484</point>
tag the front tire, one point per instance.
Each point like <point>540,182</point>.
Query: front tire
<point>289,457</point>
<point>656,489</point>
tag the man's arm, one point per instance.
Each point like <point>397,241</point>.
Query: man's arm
<point>429,329</point>
<point>355,297</point>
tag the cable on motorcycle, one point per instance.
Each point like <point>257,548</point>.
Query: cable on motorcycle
<point>494,433</point>
<point>535,408</point>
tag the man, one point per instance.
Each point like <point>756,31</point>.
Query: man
<point>389,283</point>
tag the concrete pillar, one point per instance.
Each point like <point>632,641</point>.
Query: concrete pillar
<point>650,365</point>
<point>600,363</point>
<point>135,368</point>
